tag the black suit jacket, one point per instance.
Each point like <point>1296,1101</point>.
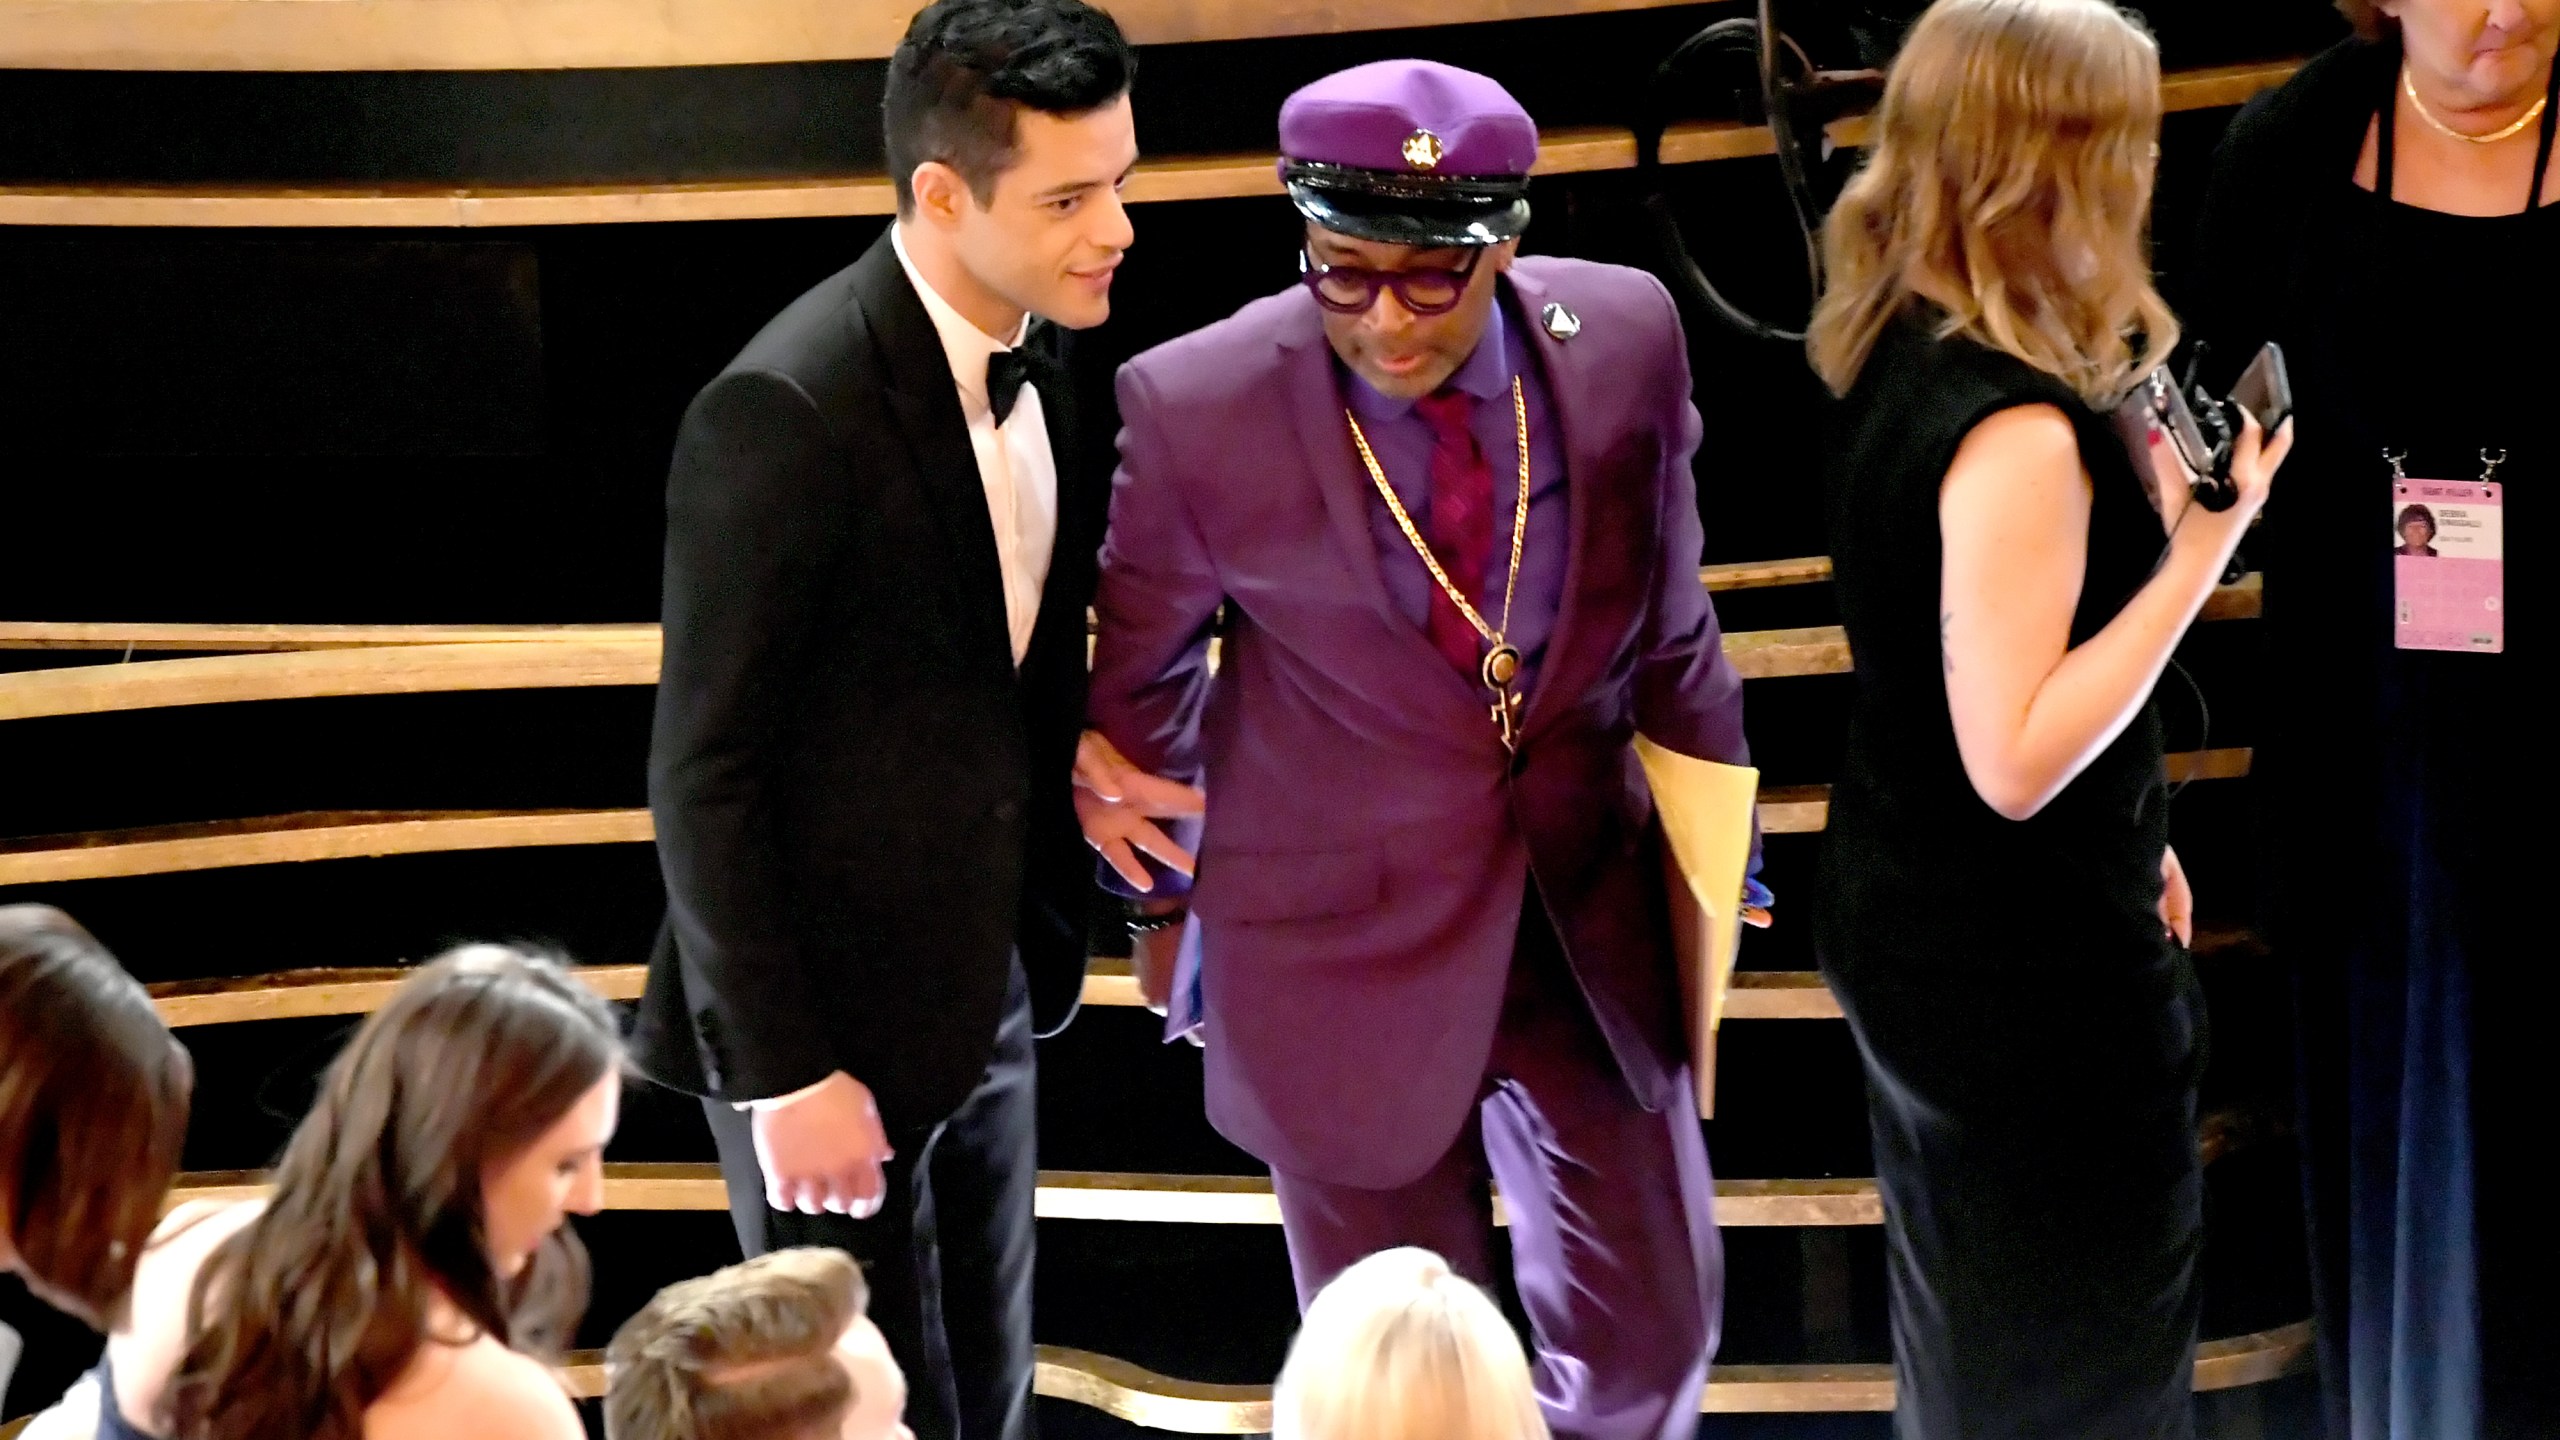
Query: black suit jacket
<point>862,809</point>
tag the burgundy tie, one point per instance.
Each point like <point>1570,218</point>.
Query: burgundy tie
<point>1461,520</point>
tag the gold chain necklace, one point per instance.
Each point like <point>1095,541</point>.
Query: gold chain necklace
<point>2409,87</point>
<point>1501,662</point>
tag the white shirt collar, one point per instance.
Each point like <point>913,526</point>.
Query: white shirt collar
<point>965,345</point>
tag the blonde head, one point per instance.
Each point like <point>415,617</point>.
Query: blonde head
<point>2007,196</point>
<point>1400,1348</point>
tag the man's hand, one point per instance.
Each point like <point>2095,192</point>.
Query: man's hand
<point>1118,804</point>
<point>823,1149</point>
<point>2177,898</point>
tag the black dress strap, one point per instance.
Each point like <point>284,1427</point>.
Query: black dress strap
<point>2550,128</point>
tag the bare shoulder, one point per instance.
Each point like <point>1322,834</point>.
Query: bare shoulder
<point>482,1389</point>
<point>147,1345</point>
<point>2020,434</point>
<point>177,1250</point>
<point>2013,453</point>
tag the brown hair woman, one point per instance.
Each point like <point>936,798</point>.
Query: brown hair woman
<point>93,1112</point>
<point>412,1261</point>
<point>2390,216</point>
<point>2000,914</point>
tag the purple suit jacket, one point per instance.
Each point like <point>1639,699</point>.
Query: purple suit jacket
<point>1368,840</point>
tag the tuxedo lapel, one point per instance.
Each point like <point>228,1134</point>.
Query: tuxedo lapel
<point>1561,673</point>
<point>925,406</point>
<point>1080,508</point>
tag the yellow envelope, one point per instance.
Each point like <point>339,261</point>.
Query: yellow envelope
<point>1705,810</point>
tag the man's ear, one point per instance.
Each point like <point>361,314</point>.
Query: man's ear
<point>1504,254</point>
<point>942,196</point>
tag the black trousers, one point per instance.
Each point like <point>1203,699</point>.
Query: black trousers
<point>949,1253</point>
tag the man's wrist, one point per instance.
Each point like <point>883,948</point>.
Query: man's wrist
<point>776,1102</point>
<point>1149,916</point>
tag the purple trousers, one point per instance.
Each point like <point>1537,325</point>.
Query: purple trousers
<point>1613,1237</point>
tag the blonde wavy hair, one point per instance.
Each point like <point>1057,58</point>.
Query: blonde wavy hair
<point>1398,1347</point>
<point>2008,192</point>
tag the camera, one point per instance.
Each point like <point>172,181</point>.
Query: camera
<point>2201,427</point>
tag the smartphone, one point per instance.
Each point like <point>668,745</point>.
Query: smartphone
<point>2265,390</point>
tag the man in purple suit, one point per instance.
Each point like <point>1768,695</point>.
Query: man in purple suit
<point>1436,502</point>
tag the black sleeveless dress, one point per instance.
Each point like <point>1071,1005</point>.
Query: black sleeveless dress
<point>2032,1037</point>
<point>2409,792</point>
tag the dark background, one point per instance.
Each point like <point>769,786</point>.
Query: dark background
<point>392,426</point>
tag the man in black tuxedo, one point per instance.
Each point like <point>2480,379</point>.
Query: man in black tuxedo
<point>880,549</point>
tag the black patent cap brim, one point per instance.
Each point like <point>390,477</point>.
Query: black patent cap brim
<point>1476,215</point>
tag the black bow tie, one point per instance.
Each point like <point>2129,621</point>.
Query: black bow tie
<point>1006,370</point>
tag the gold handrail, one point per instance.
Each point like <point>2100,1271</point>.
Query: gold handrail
<point>302,663</point>
<point>432,206</point>
<point>1145,1199</point>
<point>325,835</point>
<point>144,636</point>
<point>306,994</point>
<point>304,674</point>
<point>329,35</point>
<point>343,835</point>
<point>133,636</point>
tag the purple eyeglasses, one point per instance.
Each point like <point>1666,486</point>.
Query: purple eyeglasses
<point>1350,290</point>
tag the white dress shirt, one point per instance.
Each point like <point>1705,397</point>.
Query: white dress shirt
<point>1015,465</point>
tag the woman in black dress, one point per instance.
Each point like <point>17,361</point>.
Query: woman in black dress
<point>1998,899</point>
<point>2390,216</point>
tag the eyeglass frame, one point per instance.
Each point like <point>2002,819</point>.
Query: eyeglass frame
<point>1313,273</point>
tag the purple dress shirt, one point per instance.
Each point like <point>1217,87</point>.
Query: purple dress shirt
<point>1401,440</point>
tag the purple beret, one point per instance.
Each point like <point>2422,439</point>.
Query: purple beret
<point>1409,152</point>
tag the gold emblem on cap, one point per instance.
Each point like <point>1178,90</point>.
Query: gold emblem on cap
<point>1422,150</point>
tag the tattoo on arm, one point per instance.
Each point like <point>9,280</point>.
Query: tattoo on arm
<point>1946,657</point>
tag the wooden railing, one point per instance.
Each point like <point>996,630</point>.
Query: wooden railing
<point>1148,1199</point>
<point>279,662</point>
<point>1163,179</point>
<point>357,834</point>
<point>302,994</point>
<point>590,34</point>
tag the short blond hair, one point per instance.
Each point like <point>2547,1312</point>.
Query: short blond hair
<point>2007,196</point>
<point>1399,1347</point>
<point>745,1353</point>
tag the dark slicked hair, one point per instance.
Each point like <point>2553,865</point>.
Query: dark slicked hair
<point>968,69</point>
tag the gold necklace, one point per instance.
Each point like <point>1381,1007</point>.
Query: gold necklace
<point>1501,662</point>
<point>2409,87</point>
